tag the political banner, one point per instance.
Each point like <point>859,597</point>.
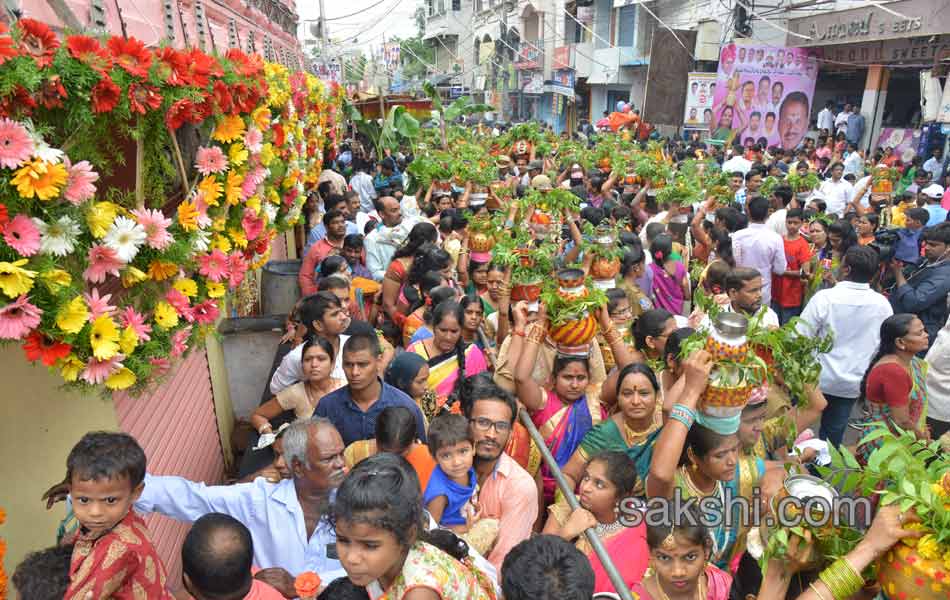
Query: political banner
<point>700,88</point>
<point>763,95</point>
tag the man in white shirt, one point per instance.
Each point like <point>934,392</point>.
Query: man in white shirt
<point>854,162</point>
<point>934,164</point>
<point>324,316</point>
<point>781,197</point>
<point>760,248</point>
<point>382,242</point>
<point>362,183</point>
<point>852,312</point>
<point>841,121</point>
<point>836,191</point>
<point>826,118</point>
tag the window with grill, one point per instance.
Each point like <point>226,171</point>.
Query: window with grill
<point>626,25</point>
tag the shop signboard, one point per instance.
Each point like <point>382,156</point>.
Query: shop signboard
<point>700,88</point>
<point>562,57</point>
<point>903,19</point>
<point>529,57</point>
<point>763,93</point>
<point>532,82</point>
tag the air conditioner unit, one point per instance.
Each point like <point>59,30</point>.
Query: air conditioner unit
<point>708,34</point>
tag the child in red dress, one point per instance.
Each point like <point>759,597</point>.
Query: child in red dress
<point>113,555</point>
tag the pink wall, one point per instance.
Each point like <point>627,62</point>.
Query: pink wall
<point>176,426</point>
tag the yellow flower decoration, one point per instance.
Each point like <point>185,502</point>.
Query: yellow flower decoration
<point>215,290</point>
<point>212,190</point>
<point>72,317</point>
<point>187,287</point>
<point>121,379</point>
<point>160,270</point>
<point>254,203</point>
<point>40,179</point>
<point>56,279</point>
<point>237,154</point>
<point>132,276</point>
<point>228,129</point>
<point>128,341</point>
<point>104,338</point>
<point>71,367</point>
<point>14,279</point>
<point>188,216</point>
<point>929,548</point>
<point>261,117</point>
<point>99,217</point>
<point>165,315</point>
<point>238,237</point>
<point>232,188</point>
<point>273,197</point>
<point>267,154</point>
<point>221,242</point>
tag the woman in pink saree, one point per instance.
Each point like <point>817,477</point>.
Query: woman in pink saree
<point>679,566</point>
<point>609,477</point>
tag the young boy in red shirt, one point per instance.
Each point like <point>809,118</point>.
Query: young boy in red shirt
<point>788,288</point>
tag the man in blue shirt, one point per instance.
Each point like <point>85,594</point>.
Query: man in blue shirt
<point>353,408</point>
<point>388,177</point>
<point>287,520</point>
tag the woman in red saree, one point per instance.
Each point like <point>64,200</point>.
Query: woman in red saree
<point>679,567</point>
<point>609,477</point>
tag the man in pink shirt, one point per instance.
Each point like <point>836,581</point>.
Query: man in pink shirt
<point>335,222</point>
<point>760,248</point>
<point>507,492</point>
<point>216,563</point>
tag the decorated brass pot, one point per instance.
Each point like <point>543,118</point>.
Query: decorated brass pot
<point>571,284</point>
<point>576,332</point>
<point>605,268</point>
<point>479,241</point>
<point>529,292</point>
<point>906,575</point>
<point>727,337</point>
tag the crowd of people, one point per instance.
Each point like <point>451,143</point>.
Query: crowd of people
<point>389,458</point>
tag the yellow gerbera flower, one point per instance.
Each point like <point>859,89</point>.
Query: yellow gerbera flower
<point>14,279</point>
<point>273,197</point>
<point>215,289</point>
<point>104,338</point>
<point>99,217</point>
<point>72,317</point>
<point>121,379</point>
<point>221,242</point>
<point>254,203</point>
<point>160,270</point>
<point>232,188</point>
<point>267,154</point>
<point>212,190</point>
<point>56,279</point>
<point>219,223</point>
<point>261,117</point>
<point>188,216</point>
<point>129,340</point>
<point>929,548</point>
<point>71,367</point>
<point>187,287</point>
<point>132,275</point>
<point>229,128</point>
<point>165,315</point>
<point>40,179</point>
<point>237,154</point>
<point>238,237</point>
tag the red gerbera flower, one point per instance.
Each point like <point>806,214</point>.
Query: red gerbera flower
<point>222,97</point>
<point>279,137</point>
<point>37,40</point>
<point>204,109</point>
<point>52,93</point>
<point>4,216</point>
<point>143,97</point>
<point>244,65</point>
<point>18,105</point>
<point>7,49</point>
<point>37,347</point>
<point>105,95</point>
<point>200,67</point>
<point>178,113</point>
<point>88,51</point>
<point>131,55</point>
<point>172,66</point>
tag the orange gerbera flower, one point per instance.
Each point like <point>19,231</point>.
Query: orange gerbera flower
<point>37,347</point>
<point>131,55</point>
<point>37,40</point>
<point>160,270</point>
<point>87,50</point>
<point>188,215</point>
<point>7,49</point>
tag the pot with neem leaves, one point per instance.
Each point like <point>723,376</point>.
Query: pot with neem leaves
<point>571,283</point>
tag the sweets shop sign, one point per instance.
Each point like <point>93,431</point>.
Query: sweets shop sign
<point>917,18</point>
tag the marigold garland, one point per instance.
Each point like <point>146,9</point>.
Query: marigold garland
<point>105,285</point>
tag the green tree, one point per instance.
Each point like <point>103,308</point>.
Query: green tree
<point>354,67</point>
<point>415,54</point>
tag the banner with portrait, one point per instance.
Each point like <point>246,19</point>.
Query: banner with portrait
<point>700,88</point>
<point>763,95</point>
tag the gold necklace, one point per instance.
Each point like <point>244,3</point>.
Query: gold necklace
<point>700,587</point>
<point>633,437</point>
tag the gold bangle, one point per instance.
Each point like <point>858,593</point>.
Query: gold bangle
<point>818,593</point>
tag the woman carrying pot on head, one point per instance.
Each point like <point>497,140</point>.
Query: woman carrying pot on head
<point>651,331</point>
<point>703,459</point>
<point>430,258</point>
<point>608,478</point>
<point>633,429</point>
<point>418,325</point>
<point>449,357</point>
<point>680,569</point>
<point>621,316</point>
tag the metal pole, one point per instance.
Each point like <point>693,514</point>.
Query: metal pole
<point>615,578</point>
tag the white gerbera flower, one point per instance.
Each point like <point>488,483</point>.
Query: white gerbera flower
<point>47,153</point>
<point>202,240</point>
<point>59,237</point>
<point>271,211</point>
<point>125,236</point>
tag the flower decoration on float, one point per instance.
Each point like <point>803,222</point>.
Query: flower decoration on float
<point>106,280</point>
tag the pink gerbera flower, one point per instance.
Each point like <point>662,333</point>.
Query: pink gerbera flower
<point>204,221</point>
<point>253,225</point>
<point>16,144</point>
<point>103,261</point>
<point>22,235</point>
<point>214,266</point>
<point>156,227</point>
<point>18,318</point>
<point>79,185</point>
<point>252,139</point>
<point>206,312</point>
<point>179,341</point>
<point>160,366</point>
<point>97,371</point>
<point>237,267</point>
<point>210,160</point>
<point>98,305</point>
<point>178,300</point>
<point>132,318</point>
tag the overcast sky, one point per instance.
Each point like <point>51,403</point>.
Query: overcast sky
<point>392,18</point>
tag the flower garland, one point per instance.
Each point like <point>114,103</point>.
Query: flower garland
<point>105,281</point>
<point>4,584</point>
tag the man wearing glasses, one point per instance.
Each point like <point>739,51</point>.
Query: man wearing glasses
<point>507,492</point>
